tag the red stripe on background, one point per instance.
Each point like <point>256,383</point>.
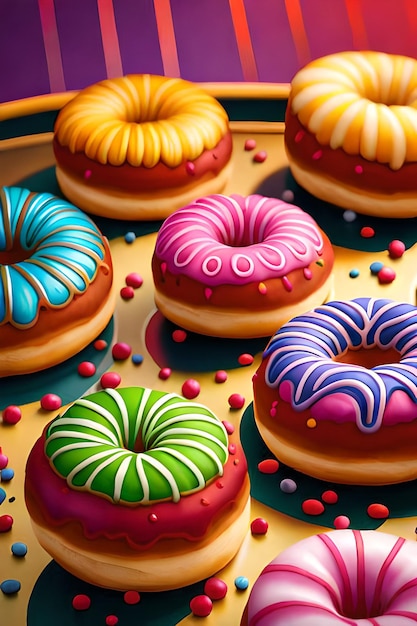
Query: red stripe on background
<point>243,40</point>
<point>410,10</point>
<point>357,24</point>
<point>110,39</point>
<point>167,41</point>
<point>298,31</point>
<point>51,45</point>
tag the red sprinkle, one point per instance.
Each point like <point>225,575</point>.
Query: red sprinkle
<point>100,344</point>
<point>245,359</point>
<point>312,507</point>
<point>121,351</point>
<point>341,521</point>
<point>236,401</point>
<point>220,376</point>
<point>250,144</point>
<point>260,157</point>
<point>131,597</point>
<point>110,380</point>
<point>386,275</point>
<point>12,414</point>
<point>396,248</point>
<point>6,523</point>
<point>268,466</point>
<point>165,373</point>
<point>378,511</point>
<point>190,388</point>
<point>201,606</point>
<point>112,620</point>
<point>127,293</point>
<point>329,496</point>
<point>134,280</point>
<point>81,602</point>
<point>152,517</point>
<point>259,526</point>
<point>179,336</point>
<point>367,232</point>
<point>50,402</point>
<point>215,588</point>
<point>86,369</point>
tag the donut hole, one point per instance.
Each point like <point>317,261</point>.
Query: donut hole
<point>368,357</point>
<point>15,255</point>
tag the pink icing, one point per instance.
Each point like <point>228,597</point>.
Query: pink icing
<point>235,240</point>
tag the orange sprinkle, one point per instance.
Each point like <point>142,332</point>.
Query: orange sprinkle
<point>311,423</point>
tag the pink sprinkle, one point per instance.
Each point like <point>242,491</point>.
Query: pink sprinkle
<point>341,521</point>
<point>100,344</point>
<point>190,388</point>
<point>317,155</point>
<point>163,268</point>
<point>81,602</point>
<point>232,448</point>
<point>308,274</point>
<point>236,401</point>
<point>131,597</point>
<point>396,248</point>
<point>286,283</point>
<point>165,373</point>
<point>6,523</point>
<point>190,168</point>
<point>250,144</point>
<point>260,157</point>
<point>367,232</point>
<point>262,288</point>
<point>299,136</point>
<point>121,351</point>
<point>386,275</point>
<point>87,174</point>
<point>259,526</point>
<point>220,376</point>
<point>12,414</point>
<point>3,460</point>
<point>86,369</point>
<point>312,507</point>
<point>127,293</point>
<point>358,169</point>
<point>229,427</point>
<point>134,280</point>
<point>329,496</point>
<point>110,380</point>
<point>112,620</point>
<point>273,412</point>
<point>50,402</point>
<point>215,588</point>
<point>245,359</point>
<point>208,293</point>
<point>201,606</point>
<point>179,336</point>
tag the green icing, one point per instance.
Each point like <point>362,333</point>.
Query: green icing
<point>136,446</point>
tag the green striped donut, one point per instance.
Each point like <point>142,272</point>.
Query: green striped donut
<point>137,446</point>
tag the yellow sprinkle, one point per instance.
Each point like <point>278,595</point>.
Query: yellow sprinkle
<point>311,423</point>
<point>262,288</point>
<point>320,262</point>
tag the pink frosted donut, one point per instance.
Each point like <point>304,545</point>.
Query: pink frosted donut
<point>233,266</point>
<point>346,577</point>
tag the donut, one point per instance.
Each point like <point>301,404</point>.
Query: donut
<point>351,124</point>
<point>233,266</point>
<point>140,146</point>
<point>335,395</point>
<point>56,280</point>
<point>346,577</point>
<point>138,489</point>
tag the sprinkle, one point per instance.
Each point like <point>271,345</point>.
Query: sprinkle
<point>130,237</point>
<point>152,517</point>
<point>219,484</point>
<point>137,359</point>
<point>308,274</point>
<point>3,460</point>
<point>179,336</point>
<point>204,502</point>
<point>6,474</point>
<point>127,293</point>
<point>87,174</point>
<point>190,389</point>
<point>396,248</point>
<point>377,511</point>
<point>241,583</point>
<point>6,523</point>
<point>312,507</point>
<point>215,588</point>
<point>134,280</point>
<point>201,605</point>
<point>260,157</point>
<point>220,376</point>
<point>163,268</point>
<point>230,429</point>
<point>11,415</point>
<point>320,262</point>
<point>288,485</point>
<point>358,169</point>
<point>317,155</point>
<point>190,168</point>
<point>232,448</point>
<point>50,402</point>
<point>329,496</point>
<point>165,373</point>
<point>110,380</point>
<point>236,401</point>
<point>268,466</point>
<point>349,216</point>
<point>354,273</point>
<point>86,369</point>
<point>208,293</point>
<point>259,526</point>
<point>245,359</point>
<point>100,344</point>
<point>131,597</point>
<point>287,195</point>
<point>262,288</point>
<point>81,602</point>
<point>19,549</point>
<point>286,283</point>
<point>10,586</point>
<point>386,275</point>
<point>2,495</point>
<point>376,267</point>
<point>367,232</point>
<point>111,620</point>
<point>299,136</point>
<point>121,351</point>
<point>250,144</point>
<point>341,521</point>
<point>311,422</point>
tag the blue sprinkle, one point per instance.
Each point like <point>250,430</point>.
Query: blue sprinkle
<point>137,359</point>
<point>241,582</point>
<point>2,495</point>
<point>354,273</point>
<point>19,549</point>
<point>288,485</point>
<point>376,267</point>
<point>6,474</point>
<point>10,586</point>
<point>130,237</point>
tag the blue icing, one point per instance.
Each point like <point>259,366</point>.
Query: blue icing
<point>24,298</point>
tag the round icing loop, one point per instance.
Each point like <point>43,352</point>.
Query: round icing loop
<point>60,251</point>
<point>137,446</point>
<point>302,351</point>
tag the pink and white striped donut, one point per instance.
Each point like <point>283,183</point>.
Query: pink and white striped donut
<point>234,266</point>
<point>343,577</point>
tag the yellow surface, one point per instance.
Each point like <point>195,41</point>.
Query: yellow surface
<point>22,158</point>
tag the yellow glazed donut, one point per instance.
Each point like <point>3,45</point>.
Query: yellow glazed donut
<point>351,129</point>
<point>140,146</point>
